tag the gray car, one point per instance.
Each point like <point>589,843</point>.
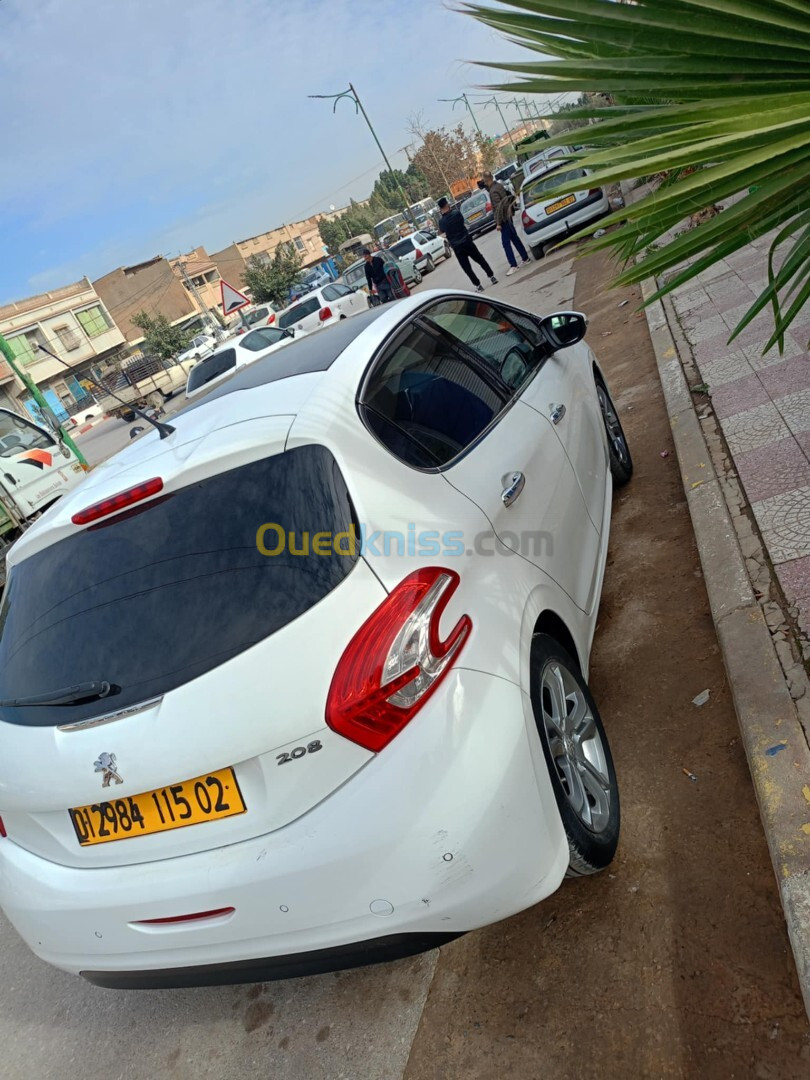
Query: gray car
<point>477,213</point>
<point>355,275</point>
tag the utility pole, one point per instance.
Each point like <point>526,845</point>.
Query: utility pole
<point>494,101</point>
<point>192,288</point>
<point>466,100</point>
<point>352,96</point>
<point>37,395</point>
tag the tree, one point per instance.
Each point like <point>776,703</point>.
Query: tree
<point>444,156</point>
<point>489,155</point>
<point>270,279</point>
<point>725,99</point>
<point>160,338</point>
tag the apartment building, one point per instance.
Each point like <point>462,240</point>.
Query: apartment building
<point>302,235</point>
<point>75,324</point>
<point>151,286</point>
<point>200,277</point>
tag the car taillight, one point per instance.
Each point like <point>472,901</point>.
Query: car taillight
<point>396,660</point>
<point>418,254</point>
<point>271,319</point>
<point>489,207</point>
<point>524,217</point>
<point>117,502</point>
<point>326,313</point>
<point>2,828</point>
<point>595,191</point>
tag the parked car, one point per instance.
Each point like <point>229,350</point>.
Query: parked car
<point>355,275</point>
<point>312,279</point>
<point>262,315</point>
<point>540,162</point>
<point>333,739</point>
<point>543,219</point>
<point>477,213</point>
<point>224,361</point>
<point>200,346</point>
<point>422,249</point>
<point>322,307</point>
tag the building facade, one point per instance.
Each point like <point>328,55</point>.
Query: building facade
<point>150,286</point>
<point>304,236</point>
<point>200,277</point>
<point>75,324</point>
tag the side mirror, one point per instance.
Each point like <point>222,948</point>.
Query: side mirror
<point>564,328</point>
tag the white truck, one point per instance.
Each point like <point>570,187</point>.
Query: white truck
<point>142,382</point>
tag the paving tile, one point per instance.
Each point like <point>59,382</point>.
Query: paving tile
<point>803,439</point>
<point>795,410</point>
<point>772,470</point>
<point>738,396</point>
<point>734,365</point>
<point>688,300</point>
<point>784,521</point>
<point>759,362</point>
<point>754,428</point>
<point>803,604</point>
<point>801,335</point>
<point>707,330</point>
<point>719,270</point>
<point>794,577</point>
<point>787,377</point>
<point>762,322</point>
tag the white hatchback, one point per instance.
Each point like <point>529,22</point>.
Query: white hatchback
<point>422,249</point>
<point>321,307</point>
<point>302,684</point>
<point>543,218</point>
<point>243,350</point>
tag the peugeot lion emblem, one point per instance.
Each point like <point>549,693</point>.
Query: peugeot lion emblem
<point>106,765</point>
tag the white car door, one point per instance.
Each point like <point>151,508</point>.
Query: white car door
<point>347,301</point>
<point>450,393</point>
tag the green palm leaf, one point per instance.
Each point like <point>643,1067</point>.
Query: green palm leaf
<point>726,92</point>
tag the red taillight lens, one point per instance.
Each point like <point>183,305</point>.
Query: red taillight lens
<point>326,313</point>
<point>395,660</point>
<point>215,913</point>
<point>489,207</point>
<point>2,828</point>
<point>271,319</point>
<point>595,191</point>
<point>118,502</point>
<point>418,254</point>
<point>524,217</point>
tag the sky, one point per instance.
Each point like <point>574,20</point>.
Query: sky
<point>131,128</point>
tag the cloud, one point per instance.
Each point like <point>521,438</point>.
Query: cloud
<point>145,125</point>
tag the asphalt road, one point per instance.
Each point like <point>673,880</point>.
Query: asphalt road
<point>674,964</point>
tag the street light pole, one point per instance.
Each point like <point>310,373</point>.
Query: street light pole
<point>494,101</point>
<point>465,99</point>
<point>352,96</point>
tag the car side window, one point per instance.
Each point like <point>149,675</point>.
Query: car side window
<point>341,290</point>
<point>427,401</point>
<point>330,292</point>
<point>492,334</point>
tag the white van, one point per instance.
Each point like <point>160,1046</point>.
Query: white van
<point>35,469</point>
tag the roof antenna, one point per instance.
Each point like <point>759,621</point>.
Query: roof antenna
<point>164,430</point>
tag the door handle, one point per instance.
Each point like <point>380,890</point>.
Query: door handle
<point>514,485</point>
<point>557,412</point>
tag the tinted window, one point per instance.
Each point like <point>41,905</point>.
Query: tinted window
<point>428,398</point>
<point>341,290</point>
<point>257,340</point>
<point>475,202</point>
<point>404,247</point>
<point>298,312</point>
<point>257,315</point>
<point>331,293</point>
<point>17,435</point>
<point>535,192</point>
<point>211,368</point>
<point>492,335</point>
<point>152,599</point>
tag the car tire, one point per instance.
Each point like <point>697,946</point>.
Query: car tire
<point>578,757</point>
<point>417,277</point>
<point>447,251</point>
<point>429,264</point>
<point>538,252</point>
<point>621,463</point>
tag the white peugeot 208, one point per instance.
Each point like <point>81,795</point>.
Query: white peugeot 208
<point>300,683</point>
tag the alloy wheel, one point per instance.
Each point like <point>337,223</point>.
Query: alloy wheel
<point>576,746</point>
<point>613,425</point>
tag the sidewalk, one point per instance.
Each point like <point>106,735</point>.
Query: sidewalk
<point>741,426</point>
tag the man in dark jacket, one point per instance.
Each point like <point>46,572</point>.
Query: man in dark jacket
<point>376,277</point>
<point>452,224</point>
<point>503,209</point>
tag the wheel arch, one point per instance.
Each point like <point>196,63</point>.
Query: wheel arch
<point>549,622</point>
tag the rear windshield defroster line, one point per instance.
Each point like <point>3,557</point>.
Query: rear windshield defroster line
<point>154,600</point>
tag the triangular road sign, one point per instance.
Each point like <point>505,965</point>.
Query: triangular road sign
<point>232,299</point>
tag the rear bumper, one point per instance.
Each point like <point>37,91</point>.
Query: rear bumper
<point>563,223</point>
<point>451,827</point>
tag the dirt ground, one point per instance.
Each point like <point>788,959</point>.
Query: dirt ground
<point>675,963</point>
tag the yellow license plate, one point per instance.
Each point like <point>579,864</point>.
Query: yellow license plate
<point>205,798</point>
<point>478,214</point>
<point>552,208</point>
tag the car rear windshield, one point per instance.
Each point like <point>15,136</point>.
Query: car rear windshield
<point>211,368</point>
<point>154,598</point>
<point>536,191</point>
<point>404,247</point>
<point>475,202</point>
<point>297,312</point>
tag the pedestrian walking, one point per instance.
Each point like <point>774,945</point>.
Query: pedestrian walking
<point>454,228</point>
<point>503,209</point>
<point>376,277</point>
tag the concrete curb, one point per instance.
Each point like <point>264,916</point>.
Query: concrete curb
<point>774,739</point>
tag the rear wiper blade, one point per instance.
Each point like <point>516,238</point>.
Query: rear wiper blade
<point>68,695</point>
